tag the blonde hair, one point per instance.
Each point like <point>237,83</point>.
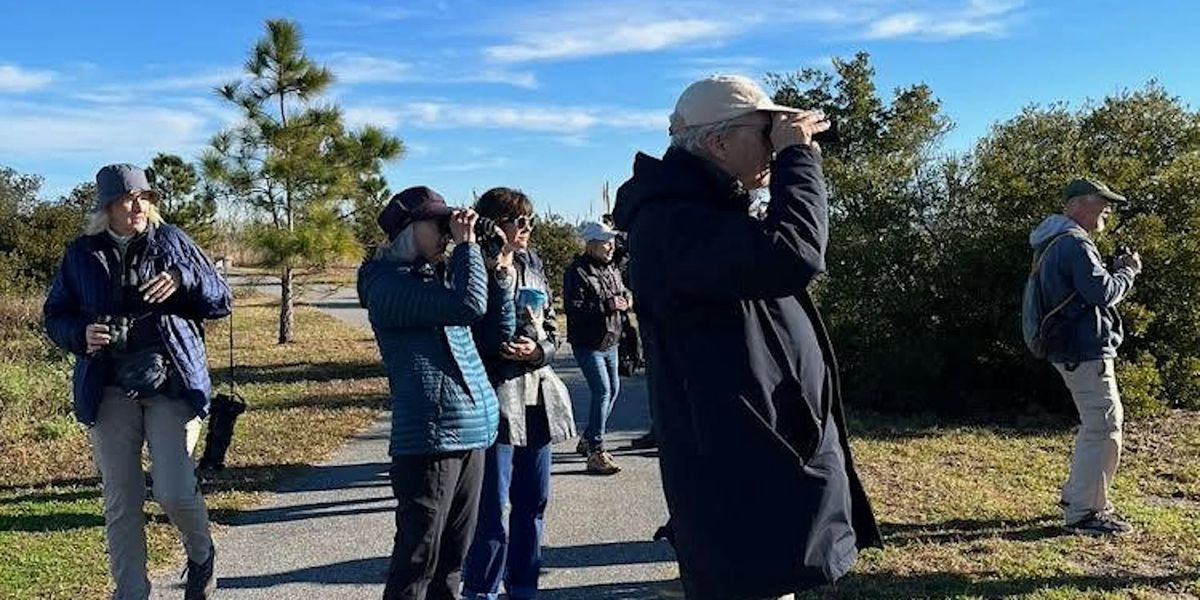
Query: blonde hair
<point>98,220</point>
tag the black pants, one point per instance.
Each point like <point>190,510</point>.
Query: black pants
<point>438,497</point>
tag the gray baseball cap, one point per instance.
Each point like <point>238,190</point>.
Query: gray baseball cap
<point>114,181</point>
<point>1086,187</point>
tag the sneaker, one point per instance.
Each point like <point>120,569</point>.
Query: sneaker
<point>582,448</point>
<point>1101,524</point>
<point>201,579</point>
<point>646,442</point>
<point>601,463</point>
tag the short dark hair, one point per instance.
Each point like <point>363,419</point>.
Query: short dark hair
<point>501,203</point>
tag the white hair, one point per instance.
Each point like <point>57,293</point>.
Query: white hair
<point>98,220</point>
<point>693,139</point>
<point>402,249</point>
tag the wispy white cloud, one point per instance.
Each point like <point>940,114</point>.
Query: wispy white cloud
<point>103,132</point>
<point>582,30</point>
<point>17,79</point>
<point>621,39</point>
<point>577,30</point>
<point>359,68</point>
<point>565,120</point>
<point>991,18</point>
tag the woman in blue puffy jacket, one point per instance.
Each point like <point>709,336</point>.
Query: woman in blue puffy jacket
<point>421,304</point>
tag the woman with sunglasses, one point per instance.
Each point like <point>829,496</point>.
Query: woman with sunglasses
<point>128,302</point>
<point>535,412</point>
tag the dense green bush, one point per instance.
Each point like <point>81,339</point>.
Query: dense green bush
<point>556,242</point>
<point>929,253</point>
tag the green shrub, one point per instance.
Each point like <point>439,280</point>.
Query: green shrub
<point>1141,387</point>
<point>35,391</point>
<point>928,254</point>
<point>56,428</point>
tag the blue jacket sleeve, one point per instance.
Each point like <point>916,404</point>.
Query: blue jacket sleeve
<point>203,293</point>
<point>737,257</point>
<point>64,323</point>
<point>1091,279</point>
<point>405,301</point>
<point>500,322</point>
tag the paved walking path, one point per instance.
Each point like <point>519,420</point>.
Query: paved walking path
<point>326,535</point>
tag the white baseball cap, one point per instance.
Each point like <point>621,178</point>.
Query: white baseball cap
<point>720,98</point>
<point>596,232</point>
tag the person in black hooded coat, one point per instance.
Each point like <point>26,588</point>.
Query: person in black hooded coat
<point>756,467</point>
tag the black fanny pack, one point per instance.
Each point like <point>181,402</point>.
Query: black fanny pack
<point>142,373</point>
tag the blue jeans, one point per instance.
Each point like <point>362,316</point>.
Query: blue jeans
<point>601,371</point>
<point>511,552</point>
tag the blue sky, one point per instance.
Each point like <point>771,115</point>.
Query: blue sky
<point>551,97</point>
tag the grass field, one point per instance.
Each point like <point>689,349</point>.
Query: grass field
<point>969,512</point>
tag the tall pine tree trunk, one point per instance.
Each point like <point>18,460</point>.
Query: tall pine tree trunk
<point>285,306</point>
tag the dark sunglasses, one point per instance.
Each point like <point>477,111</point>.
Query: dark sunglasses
<point>523,222</point>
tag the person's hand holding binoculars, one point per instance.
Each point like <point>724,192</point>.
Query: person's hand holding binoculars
<point>791,129</point>
<point>1130,259</point>
<point>97,337</point>
<point>462,226</point>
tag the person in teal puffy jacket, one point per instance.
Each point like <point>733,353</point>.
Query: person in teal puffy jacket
<point>421,304</point>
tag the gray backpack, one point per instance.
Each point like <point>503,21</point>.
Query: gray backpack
<point>1035,315</point>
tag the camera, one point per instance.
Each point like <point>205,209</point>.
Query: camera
<point>118,332</point>
<point>490,240</point>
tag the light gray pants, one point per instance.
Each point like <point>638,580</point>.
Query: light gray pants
<point>169,427</point>
<point>1098,442</point>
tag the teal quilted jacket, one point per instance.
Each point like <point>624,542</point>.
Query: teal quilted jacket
<point>441,398</point>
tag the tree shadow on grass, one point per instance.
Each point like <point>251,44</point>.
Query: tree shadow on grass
<point>302,372</point>
<point>945,586</point>
<point>962,530</point>
<point>55,521</point>
<point>890,427</point>
<point>81,489</point>
<point>374,400</point>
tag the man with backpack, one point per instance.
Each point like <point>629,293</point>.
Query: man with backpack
<point>1070,318</point>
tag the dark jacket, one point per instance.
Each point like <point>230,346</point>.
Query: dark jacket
<point>588,286</point>
<point>1089,327</point>
<point>529,272</point>
<point>441,398</point>
<point>763,494</point>
<point>84,289</point>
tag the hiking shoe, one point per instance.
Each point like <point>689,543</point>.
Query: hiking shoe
<point>601,463</point>
<point>582,448</point>
<point>646,442</point>
<point>201,579</point>
<point>1101,524</point>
